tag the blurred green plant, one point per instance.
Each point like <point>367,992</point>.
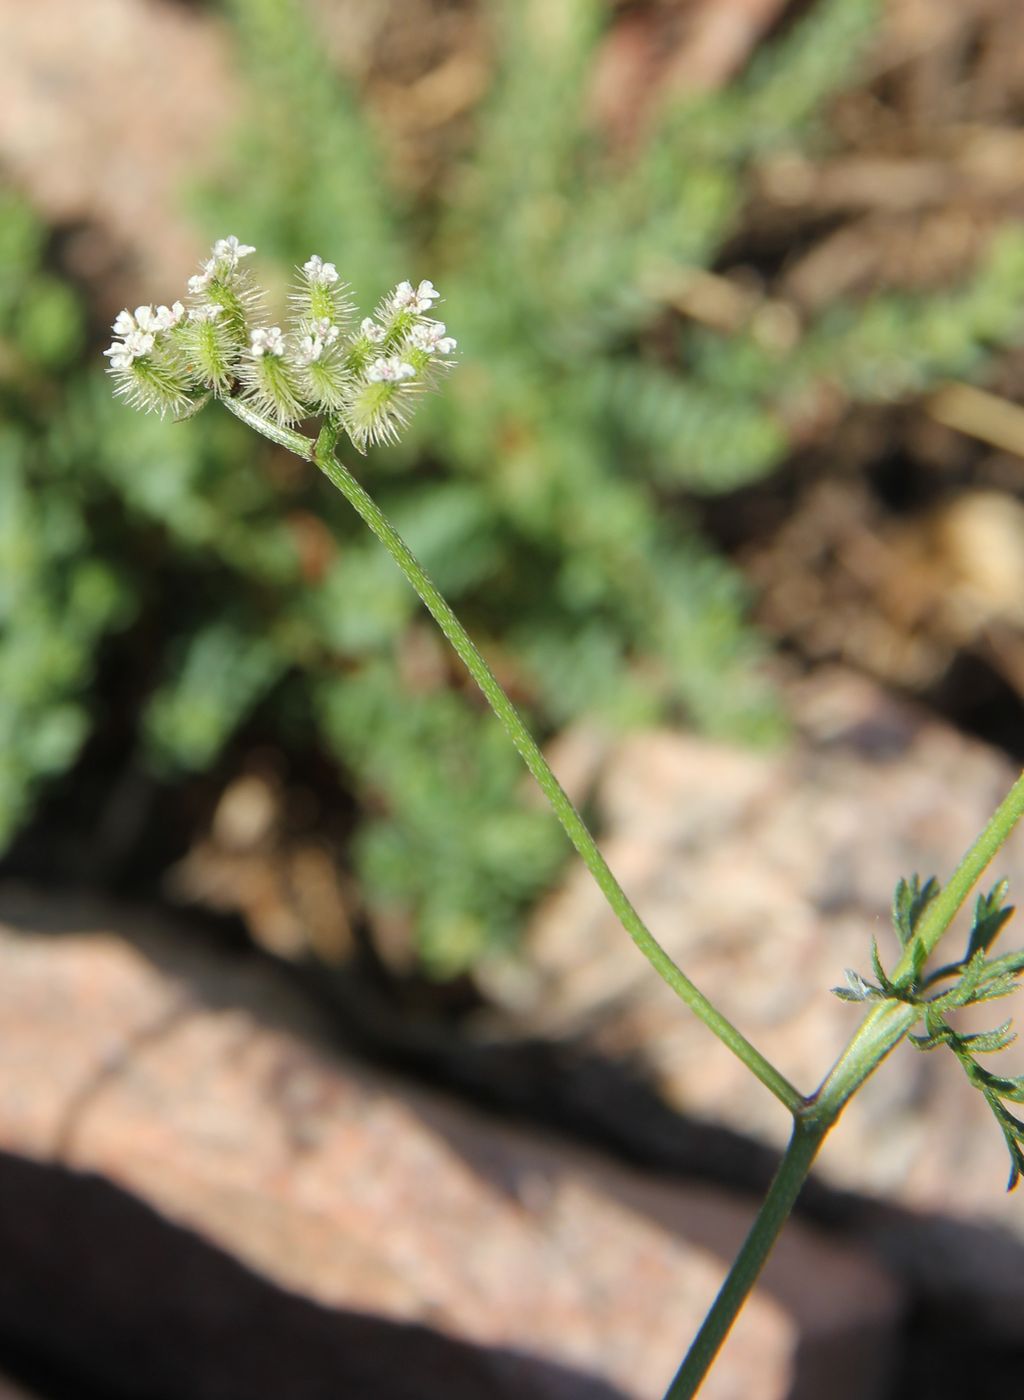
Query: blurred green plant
<point>57,596</point>
<point>550,491</point>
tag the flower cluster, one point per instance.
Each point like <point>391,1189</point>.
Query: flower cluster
<point>172,359</point>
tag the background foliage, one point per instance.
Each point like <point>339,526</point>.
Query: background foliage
<point>552,489</point>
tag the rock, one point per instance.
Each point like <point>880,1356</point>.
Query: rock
<point>312,1193</point>
<point>103,137</point>
<point>10,1390</point>
<point>765,875</point>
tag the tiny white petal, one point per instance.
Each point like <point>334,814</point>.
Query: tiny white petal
<point>320,273</point>
<point>426,295</point>
<point>201,280</point>
<point>403,296</point>
<point>311,347</point>
<point>266,340</point>
<point>138,343</point>
<point>373,333</point>
<point>231,248</point>
<point>124,322</point>
<point>389,370</point>
<point>168,316</point>
<point>430,336</point>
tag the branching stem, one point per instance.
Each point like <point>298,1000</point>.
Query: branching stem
<point>322,453</point>
<point>572,823</point>
<point>883,1027</point>
<point>746,1269</point>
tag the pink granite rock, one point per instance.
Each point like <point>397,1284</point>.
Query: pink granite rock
<point>765,875</point>
<point>195,1084</point>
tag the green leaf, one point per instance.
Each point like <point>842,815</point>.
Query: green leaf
<point>989,917</point>
<point>857,988</point>
<point>885,983</point>
<point>910,901</point>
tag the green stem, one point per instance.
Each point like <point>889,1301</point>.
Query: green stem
<point>571,821</point>
<point>940,913</point>
<point>881,1031</point>
<point>322,453</point>
<point>298,443</point>
<point>775,1210</point>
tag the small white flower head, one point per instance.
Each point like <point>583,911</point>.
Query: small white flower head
<point>146,319</point>
<point>135,345</point>
<point>429,337</point>
<point>167,317</point>
<point>311,347</point>
<point>389,369</point>
<point>145,373</point>
<point>320,274</point>
<point>209,311</point>
<point>172,358</point>
<point>266,340</point>
<point>321,336</point>
<point>230,249</point>
<point>405,297</point>
<point>198,283</point>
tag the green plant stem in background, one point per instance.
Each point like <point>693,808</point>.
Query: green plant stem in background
<point>322,453</point>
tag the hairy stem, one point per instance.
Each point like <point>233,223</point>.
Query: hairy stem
<point>741,1278</point>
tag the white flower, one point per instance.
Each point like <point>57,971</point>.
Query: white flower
<point>389,370</point>
<point>145,319</point>
<point>266,340</point>
<point>326,330</point>
<point>201,280</point>
<point>168,316</point>
<point>148,319</point>
<point>311,347</point>
<point>320,273</point>
<point>322,336</point>
<point>231,249</point>
<point>135,344</point>
<point>373,333</point>
<point>406,297</point>
<point>430,336</point>
<point>208,312</point>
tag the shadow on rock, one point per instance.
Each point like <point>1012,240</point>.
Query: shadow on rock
<point>102,1297</point>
